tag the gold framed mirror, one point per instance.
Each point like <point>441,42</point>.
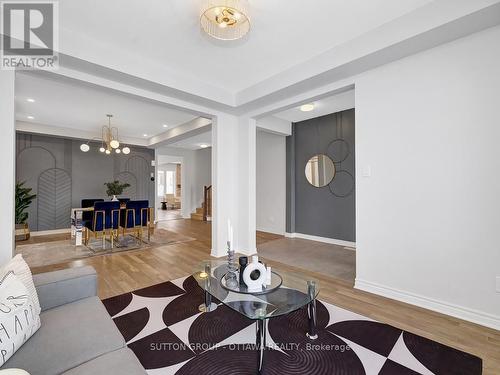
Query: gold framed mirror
<point>320,170</point>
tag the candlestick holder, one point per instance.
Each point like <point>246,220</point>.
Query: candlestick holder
<point>232,268</point>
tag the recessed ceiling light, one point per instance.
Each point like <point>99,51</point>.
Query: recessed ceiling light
<point>203,145</point>
<point>165,125</point>
<point>30,117</point>
<point>144,135</point>
<point>30,100</point>
<point>307,107</point>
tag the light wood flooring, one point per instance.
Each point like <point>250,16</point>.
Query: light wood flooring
<point>123,272</point>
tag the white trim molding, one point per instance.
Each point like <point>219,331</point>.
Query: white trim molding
<point>271,230</point>
<point>474,316</point>
<point>52,231</point>
<point>332,241</point>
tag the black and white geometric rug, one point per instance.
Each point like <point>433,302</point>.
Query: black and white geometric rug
<point>164,328</point>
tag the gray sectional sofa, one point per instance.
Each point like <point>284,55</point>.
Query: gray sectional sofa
<point>77,335</point>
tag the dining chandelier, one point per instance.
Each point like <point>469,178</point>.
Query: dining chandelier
<point>109,140</point>
<point>225,19</point>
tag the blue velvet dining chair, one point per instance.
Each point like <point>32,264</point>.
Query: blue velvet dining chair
<point>105,221</point>
<point>136,218</point>
<point>87,215</point>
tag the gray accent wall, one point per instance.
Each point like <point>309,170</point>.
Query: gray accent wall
<point>61,175</point>
<point>316,211</point>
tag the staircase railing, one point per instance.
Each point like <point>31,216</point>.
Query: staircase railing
<point>207,202</point>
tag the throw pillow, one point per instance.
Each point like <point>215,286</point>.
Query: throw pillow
<point>18,317</point>
<point>23,272</point>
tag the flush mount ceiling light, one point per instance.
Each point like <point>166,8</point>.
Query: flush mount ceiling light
<point>203,145</point>
<point>30,100</point>
<point>109,140</point>
<point>225,19</point>
<point>307,107</point>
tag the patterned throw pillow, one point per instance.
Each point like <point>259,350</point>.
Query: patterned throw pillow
<point>23,273</point>
<point>19,319</point>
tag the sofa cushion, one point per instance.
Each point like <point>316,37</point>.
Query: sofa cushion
<point>122,361</point>
<point>19,318</point>
<point>23,272</point>
<point>70,335</point>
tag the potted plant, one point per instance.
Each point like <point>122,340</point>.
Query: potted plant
<point>24,198</point>
<point>115,188</point>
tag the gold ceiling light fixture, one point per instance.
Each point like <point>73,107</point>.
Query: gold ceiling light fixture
<point>225,19</point>
<point>109,140</point>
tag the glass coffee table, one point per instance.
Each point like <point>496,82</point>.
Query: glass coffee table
<point>288,292</point>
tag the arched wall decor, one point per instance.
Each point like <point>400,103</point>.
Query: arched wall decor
<point>130,178</point>
<point>140,168</point>
<point>28,171</point>
<point>54,199</point>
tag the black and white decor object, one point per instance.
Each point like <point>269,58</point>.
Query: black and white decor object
<point>163,327</point>
<point>243,262</point>
<point>255,275</point>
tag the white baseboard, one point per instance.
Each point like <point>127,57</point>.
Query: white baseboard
<point>273,231</point>
<point>474,316</point>
<point>332,241</point>
<point>48,232</point>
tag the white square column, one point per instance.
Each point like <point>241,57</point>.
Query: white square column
<point>247,196</point>
<point>233,183</point>
<point>8,157</point>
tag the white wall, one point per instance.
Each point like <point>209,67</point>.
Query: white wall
<point>170,167</point>
<point>275,125</point>
<point>7,149</point>
<point>203,176</point>
<point>271,182</point>
<point>193,174</point>
<point>428,218</point>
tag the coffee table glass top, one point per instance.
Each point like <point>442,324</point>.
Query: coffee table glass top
<point>296,290</point>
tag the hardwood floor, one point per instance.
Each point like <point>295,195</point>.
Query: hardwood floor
<point>123,272</point>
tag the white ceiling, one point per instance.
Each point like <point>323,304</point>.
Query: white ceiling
<point>69,105</point>
<point>193,143</point>
<point>322,107</point>
<point>284,33</point>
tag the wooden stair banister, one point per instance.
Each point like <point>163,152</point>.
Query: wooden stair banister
<point>207,202</point>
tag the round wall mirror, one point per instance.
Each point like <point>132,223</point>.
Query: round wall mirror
<point>320,170</point>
